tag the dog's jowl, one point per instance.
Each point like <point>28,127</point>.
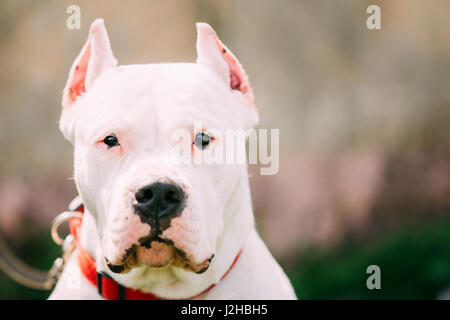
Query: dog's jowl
<point>154,227</point>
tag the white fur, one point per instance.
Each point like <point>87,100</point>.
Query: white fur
<point>143,105</point>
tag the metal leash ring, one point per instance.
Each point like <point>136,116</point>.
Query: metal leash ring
<point>59,220</point>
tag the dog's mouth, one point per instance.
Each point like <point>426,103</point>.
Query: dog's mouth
<point>156,252</point>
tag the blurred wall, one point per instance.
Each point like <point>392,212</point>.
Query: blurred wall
<point>363,115</point>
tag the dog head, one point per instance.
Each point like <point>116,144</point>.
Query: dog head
<point>149,210</point>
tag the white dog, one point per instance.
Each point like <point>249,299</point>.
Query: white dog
<point>154,227</point>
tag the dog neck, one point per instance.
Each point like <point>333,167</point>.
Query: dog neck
<point>175,283</point>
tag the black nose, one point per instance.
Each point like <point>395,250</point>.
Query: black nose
<point>159,202</point>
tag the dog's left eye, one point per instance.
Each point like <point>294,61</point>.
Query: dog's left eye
<point>202,140</point>
<point>111,141</point>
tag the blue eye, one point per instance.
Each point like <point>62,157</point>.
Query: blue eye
<point>202,140</point>
<point>111,141</point>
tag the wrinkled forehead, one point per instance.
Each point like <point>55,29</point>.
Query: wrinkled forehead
<point>144,92</point>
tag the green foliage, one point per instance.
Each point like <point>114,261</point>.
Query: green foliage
<point>414,263</point>
<point>38,251</point>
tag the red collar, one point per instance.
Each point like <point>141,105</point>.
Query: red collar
<point>107,287</point>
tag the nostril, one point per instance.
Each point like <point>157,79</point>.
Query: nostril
<point>144,195</point>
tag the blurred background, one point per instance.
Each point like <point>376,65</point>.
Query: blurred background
<point>363,116</point>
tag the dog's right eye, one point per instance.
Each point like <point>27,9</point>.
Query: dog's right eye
<point>111,141</point>
<point>202,140</point>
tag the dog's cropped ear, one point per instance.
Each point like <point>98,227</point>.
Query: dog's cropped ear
<point>94,58</point>
<point>214,54</point>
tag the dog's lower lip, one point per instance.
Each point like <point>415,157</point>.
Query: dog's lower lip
<point>202,270</point>
<point>120,268</point>
<point>114,267</point>
<point>205,268</point>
